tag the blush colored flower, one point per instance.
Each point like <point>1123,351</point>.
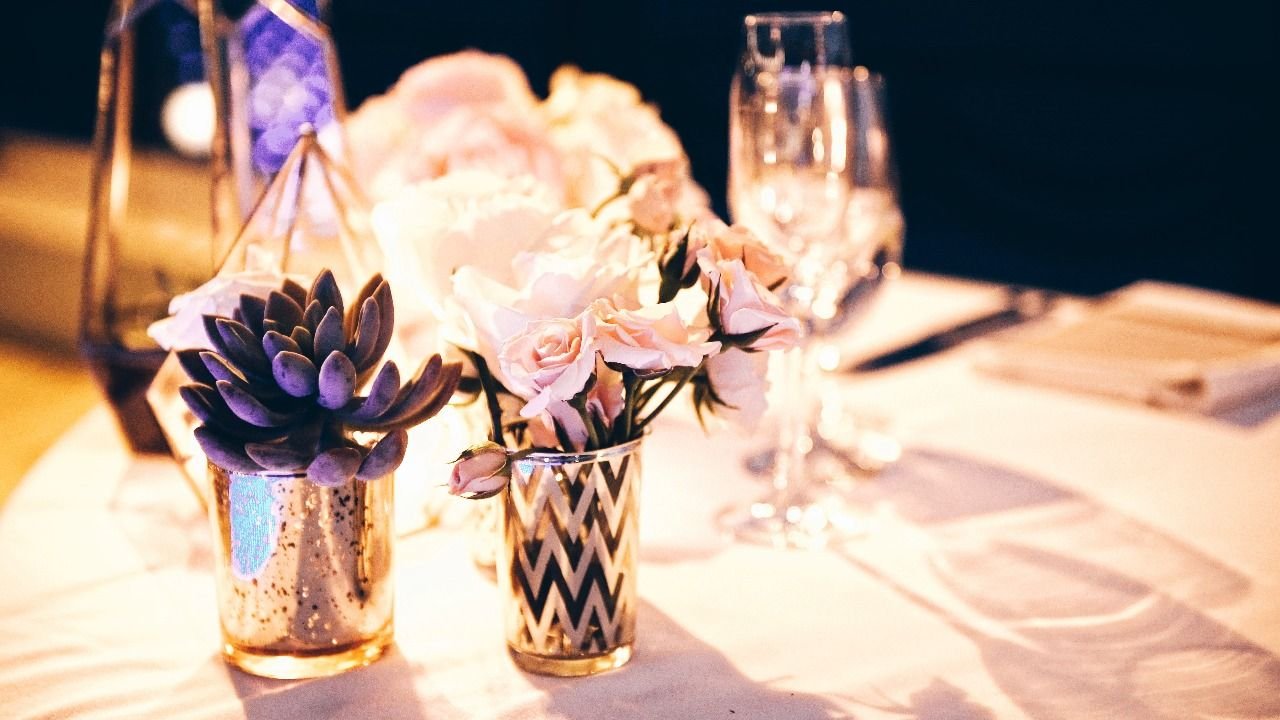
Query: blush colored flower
<point>652,202</point>
<point>480,471</point>
<point>602,126</point>
<point>551,359</point>
<point>745,306</point>
<point>715,241</point>
<point>649,339</point>
<point>469,78</point>
<point>604,401</point>
<point>466,111</point>
<point>740,381</point>
<point>184,328</point>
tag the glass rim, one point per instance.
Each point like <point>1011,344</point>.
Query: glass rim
<point>583,456</point>
<point>802,17</point>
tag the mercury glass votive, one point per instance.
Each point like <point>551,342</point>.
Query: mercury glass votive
<point>303,572</point>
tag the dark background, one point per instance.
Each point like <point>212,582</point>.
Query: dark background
<point>1075,145</point>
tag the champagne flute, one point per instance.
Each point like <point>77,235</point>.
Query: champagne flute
<point>809,170</point>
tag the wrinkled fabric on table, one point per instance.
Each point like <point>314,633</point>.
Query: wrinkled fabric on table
<point>1033,554</point>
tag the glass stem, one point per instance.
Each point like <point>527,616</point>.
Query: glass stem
<point>790,479</point>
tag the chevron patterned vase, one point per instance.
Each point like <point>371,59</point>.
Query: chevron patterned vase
<point>567,565</point>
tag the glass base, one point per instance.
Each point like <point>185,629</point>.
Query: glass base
<point>803,525</point>
<point>571,667</point>
<point>296,666</point>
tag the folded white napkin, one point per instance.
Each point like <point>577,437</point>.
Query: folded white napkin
<point>1165,345</point>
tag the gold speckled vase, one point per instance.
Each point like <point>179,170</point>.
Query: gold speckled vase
<point>567,563</point>
<point>303,572</point>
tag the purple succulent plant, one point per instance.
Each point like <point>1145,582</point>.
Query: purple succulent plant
<point>278,391</point>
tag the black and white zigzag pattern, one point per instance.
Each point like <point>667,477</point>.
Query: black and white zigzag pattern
<point>569,556</point>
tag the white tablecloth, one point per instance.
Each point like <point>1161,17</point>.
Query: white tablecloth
<point>1034,554</point>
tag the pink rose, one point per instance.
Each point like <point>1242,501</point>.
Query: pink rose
<point>649,339</point>
<point>469,78</point>
<point>716,241</point>
<point>480,471</point>
<point>468,138</point>
<point>740,380</point>
<point>604,401</point>
<point>652,201</point>
<point>746,306</point>
<point>551,359</point>
<point>469,110</point>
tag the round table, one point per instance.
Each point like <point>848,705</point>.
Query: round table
<point>1034,553</point>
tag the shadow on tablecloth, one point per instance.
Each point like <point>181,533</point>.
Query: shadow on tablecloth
<point>675,675</point>
<point>1076,610</point>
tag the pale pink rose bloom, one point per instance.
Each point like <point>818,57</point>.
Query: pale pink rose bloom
<point>602,127</point>
<point>468,110</point>
<point>715,241</point>
<point>551,359</point>
<point>652,202</point>
<point>431,228</point>
<point>491,305</point>
<point>649,339</point>
<point>478,471</point>
<point>747,306</point>
<point>470,78</point>
<point>605,401</point>
<point>184,328</point>
<point>499,142</point>
<point>740,380</point>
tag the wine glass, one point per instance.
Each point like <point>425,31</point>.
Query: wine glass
<point>810,170</point>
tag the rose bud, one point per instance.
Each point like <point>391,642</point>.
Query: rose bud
<point>480,472</point>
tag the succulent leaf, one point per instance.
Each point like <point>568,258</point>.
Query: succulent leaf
<point>194,366</point>
<point>448,384</point>
<point>278,389</point>
<point>208,407</point>
<point>274,343</point>
<point>283,309</point>
<point>366,336</point>
<point>353,311</point>
<point>252,410</point>
<point>385,456</point>
<point>295,291</point>
<point>211,332</point>
<point>429,391</point>
<point>242,348</point>
<point>279,456</point>
<point>325,289</point>
<point>252,312</point>
<point>386,320</point>
<point>295,373</point>
<point>225,453</point>
<point>219,368</point>
<point>328,336</point>
<point>334,467</point>
<point>382,392</point>
<point>337,381</point>
<point>312,316</point>
<point>302,336</point>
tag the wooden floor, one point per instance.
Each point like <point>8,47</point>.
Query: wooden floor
<point>42,392</point>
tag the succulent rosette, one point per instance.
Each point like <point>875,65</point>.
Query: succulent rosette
<point>278,390</point>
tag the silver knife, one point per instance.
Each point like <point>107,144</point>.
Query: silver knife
<point>1022,305</point>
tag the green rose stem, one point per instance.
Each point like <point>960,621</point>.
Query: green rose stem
<point>630,386</point>
<point>489,388</point>
<point>685,377</point>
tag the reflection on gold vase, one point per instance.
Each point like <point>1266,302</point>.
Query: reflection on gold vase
<point>303,572</point>
<point>567,563</point>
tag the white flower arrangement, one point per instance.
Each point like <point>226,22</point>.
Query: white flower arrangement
<point>567,252</point>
